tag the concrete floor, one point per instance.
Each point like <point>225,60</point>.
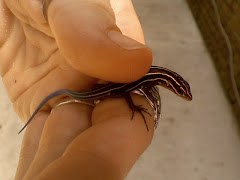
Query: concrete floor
<point>195,140</point>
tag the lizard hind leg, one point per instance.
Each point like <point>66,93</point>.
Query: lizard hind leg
<point>137,108</point>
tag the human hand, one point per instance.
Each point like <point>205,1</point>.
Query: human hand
<point>72,52</point>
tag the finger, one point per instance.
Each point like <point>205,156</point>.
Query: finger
<point>63,124</point>
<point>109,148</point>
<point>88,37</point>
<point>30,144</point>
<point>127,20</point>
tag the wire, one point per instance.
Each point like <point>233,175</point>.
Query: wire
<point>230,52</point>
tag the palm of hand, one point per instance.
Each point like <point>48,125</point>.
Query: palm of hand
<point>31,63</point>
<point>38,58</point>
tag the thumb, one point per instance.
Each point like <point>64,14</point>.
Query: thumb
<point>88,37</point>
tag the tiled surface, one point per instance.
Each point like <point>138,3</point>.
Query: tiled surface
<point>195,140</point>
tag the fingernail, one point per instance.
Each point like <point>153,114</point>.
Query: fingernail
<point>124,41</point>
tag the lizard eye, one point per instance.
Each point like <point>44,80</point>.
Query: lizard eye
<point>181,92</point>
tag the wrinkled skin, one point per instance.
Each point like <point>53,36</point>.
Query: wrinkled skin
<point>73,51</point>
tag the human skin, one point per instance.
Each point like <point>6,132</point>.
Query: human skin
<point>74,50</point>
